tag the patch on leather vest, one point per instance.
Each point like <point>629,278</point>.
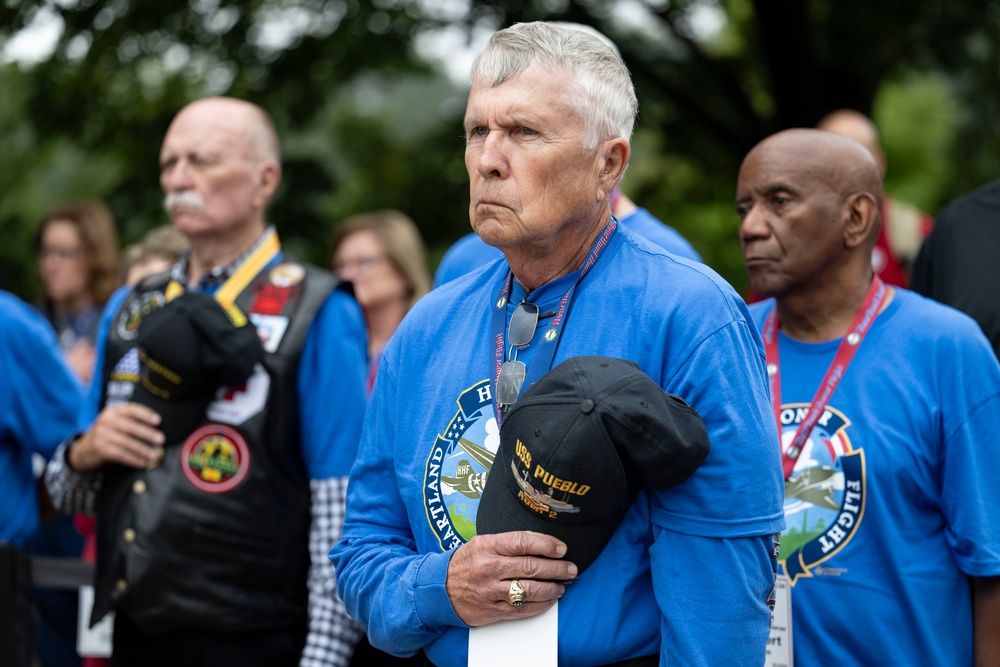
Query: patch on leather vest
<point>215,458</point>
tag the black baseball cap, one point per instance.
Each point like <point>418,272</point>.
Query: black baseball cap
<point>579,445</point>
<point>189,348</point>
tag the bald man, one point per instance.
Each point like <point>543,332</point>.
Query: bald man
<point>904,227</point>
<point>888,405</point>
<point>212,541</point>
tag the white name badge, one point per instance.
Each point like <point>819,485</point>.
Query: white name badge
<point>779,643</point>
<point>526,642</point>
<point>93,642</point>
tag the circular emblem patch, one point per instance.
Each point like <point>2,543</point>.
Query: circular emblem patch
<point>287,274</point>
<point>131,317</point>
<point>215,458</point>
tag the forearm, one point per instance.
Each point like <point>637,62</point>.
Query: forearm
<point>71,491</point>
<point>333,634</point>
<point>986,620</point>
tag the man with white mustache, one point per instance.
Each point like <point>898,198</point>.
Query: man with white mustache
<point>188,198</point>
<point>269,499</point>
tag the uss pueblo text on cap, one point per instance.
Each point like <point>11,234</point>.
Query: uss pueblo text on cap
<point>579,445</point>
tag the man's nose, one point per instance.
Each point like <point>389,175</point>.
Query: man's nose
<point>753,224</point>
<point>492,159</point>
<point>176,178</point>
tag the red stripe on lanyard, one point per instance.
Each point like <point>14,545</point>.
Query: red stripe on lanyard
<point>838,367</point>
<point>545,354</point>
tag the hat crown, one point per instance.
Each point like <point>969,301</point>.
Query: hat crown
<point>192,345</point>
<point>565,468</point>
<point>578,447</point>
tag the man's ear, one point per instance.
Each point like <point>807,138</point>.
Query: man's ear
<point>864,219</point>
<point>269,178</point>
<point>614,157</point>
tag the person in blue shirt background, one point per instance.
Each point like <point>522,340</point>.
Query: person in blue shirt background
<point>39,400</point>
<point>889,406</point>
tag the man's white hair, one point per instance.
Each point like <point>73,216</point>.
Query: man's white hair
<point>605,95</point>
<point>590,30</point>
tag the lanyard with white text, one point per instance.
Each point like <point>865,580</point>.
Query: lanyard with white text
<point>848,346</point>
<point>241,277</point>
<point>542,360</point>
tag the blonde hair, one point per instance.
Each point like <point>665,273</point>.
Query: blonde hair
<point>163,242</point>
<point>402,242</point>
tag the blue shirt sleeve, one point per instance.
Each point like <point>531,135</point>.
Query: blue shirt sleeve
<point>970,421</point>
<point>42,394</point>
<point>692,575</point>
<point>739,490</point>
<point>649,227</point>
<point>464,256</point>
<point>332,385</point>
<point>91,404</point>
<point>398,594</point>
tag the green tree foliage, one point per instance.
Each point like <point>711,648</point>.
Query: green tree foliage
<point>706,97</point>
<point>367,124</point>
<point>89,119</point>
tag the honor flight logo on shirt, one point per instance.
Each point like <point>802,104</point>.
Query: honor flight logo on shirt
<point>825,494</point>
<point>458,465</point>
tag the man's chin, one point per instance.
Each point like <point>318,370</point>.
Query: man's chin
<point>762,286</point>
<point>189,222</point>
<point>492,232</point>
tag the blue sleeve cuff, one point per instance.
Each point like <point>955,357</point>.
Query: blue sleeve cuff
<point>430,594</point>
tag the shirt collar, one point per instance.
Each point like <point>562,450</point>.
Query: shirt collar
<point>218,274</point>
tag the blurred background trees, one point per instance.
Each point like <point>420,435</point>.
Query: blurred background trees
<point>368,98</point>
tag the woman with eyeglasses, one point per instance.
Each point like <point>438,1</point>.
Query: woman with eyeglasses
<point>383,255</point>
<point>77,247</point>
<point>77,250</point>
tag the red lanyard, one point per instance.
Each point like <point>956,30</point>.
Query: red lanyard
<point>848,346</point>
<point>543,358</point>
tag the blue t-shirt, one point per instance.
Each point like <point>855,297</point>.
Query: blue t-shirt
<point>332,382</point>
<point>39,400</point>
<point>470,252</point>
<point>430,435</point>
<point>893,502</point>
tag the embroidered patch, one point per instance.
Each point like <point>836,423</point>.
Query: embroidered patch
<point>287,274</point>
<point>271,329</point>
<point>270,299</point>
<point>236,405</point>
<point>137,308</point>
<point>215,458</point>
<point>123,378</point>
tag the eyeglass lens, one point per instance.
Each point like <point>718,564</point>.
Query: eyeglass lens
<point>522,324</point>
<point>522,329</point>
<point>510,381</point>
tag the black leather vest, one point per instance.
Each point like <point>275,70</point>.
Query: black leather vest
<point>216,537</point>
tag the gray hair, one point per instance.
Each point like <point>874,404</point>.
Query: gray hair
<point>605,95</point>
